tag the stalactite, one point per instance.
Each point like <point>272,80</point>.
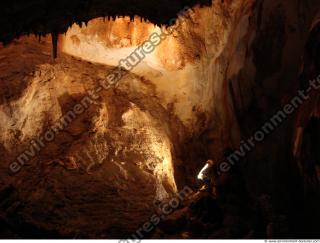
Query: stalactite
<point>54,37</point>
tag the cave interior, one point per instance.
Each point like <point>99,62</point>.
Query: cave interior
<point>109,109</point>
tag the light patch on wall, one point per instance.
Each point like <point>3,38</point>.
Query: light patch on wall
<point>157,142</point>
<point>106,41</point>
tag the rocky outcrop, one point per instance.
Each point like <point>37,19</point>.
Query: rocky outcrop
<point>115,156</point>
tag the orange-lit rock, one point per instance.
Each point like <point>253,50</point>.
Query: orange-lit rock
<point>188,68</point>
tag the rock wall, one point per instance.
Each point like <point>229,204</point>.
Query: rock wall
<point>272,74</point>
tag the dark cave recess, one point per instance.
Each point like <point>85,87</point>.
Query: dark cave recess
<point>40,17</point>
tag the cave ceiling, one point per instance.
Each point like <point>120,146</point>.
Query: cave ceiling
<point>40,17</point>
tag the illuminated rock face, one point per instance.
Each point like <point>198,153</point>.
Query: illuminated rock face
<point>117,150</point>
<point>189,68</point>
